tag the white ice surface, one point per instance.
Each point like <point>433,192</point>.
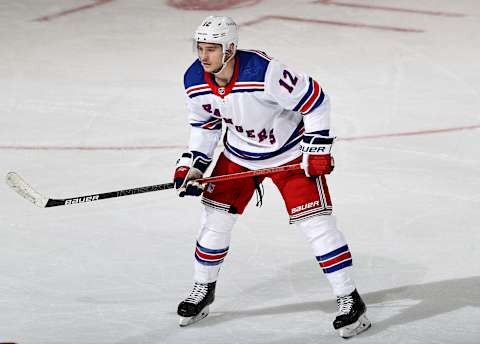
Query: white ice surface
<point>114,271</point>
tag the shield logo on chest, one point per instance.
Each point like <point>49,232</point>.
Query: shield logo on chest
<point>221,90</point>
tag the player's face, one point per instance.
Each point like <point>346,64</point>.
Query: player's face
<point>211,56</point>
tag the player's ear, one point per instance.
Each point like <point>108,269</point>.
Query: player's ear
<point>231,49</point>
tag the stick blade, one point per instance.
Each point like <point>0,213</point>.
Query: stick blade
<point>20,186</point>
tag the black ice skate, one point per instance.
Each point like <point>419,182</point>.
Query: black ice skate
<point>351,319</point>
<point>195,306</point>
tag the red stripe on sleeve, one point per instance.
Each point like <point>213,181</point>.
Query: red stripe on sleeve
<point>316,91</point>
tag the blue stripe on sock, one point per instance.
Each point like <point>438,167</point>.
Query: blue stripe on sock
<point>333,253</point>
<point>211,251</point>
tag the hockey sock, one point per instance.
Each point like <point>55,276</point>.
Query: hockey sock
<point>213,241</point>
<point>331,251</point>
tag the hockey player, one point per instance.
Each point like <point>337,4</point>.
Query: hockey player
<point>273,116</point>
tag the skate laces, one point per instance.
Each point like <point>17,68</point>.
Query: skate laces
<point>198,293</point>
<point>344,304</point>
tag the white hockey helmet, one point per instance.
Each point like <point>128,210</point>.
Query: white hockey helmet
<point>218,30</point>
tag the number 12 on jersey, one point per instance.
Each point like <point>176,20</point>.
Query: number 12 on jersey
<point>289,82</point>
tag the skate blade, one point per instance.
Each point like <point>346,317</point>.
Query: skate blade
<point>185,321</point>
<point>362,324</point>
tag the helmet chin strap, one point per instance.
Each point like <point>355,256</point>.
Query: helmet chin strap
<point>221,69</point>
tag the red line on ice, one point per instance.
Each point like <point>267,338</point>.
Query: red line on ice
<point>409,133</point>
<point>209,5</point>
<point>165,147</point>
<point>388,8</point>
<point>91,148</point>
<point>73,10</point>
<point>331,22</point>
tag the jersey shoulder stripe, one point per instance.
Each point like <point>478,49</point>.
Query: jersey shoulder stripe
<point>198,90</point>
<point>248,87</point>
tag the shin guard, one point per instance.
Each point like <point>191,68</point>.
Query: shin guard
<point>331,250</point>
<point>213,241</point>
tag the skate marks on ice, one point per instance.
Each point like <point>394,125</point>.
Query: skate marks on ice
<point>208,5</point>
<point>388,8</point>
<point>423,301</point>
<point>94,4</point>
<point>433,299</point>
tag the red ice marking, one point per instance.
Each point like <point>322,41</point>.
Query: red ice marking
<point>73,10</point>
<point>331,22</point>
<point>387,8</point>
<point>165,147</point>
<point>409,133</point>
<point>209,5</point>
<point>91,148</point>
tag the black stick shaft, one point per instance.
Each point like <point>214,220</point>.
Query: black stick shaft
<point>97,197</point>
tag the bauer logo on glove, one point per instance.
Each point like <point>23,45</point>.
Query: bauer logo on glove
<point>314,149</point>
<point>316,158</point>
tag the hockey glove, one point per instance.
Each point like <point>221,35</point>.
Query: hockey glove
<point>191,166</point>
<point>316,159</point>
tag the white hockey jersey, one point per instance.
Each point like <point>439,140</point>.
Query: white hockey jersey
<point>266,108</point>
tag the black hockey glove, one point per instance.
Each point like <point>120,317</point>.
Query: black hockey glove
<point>191,166</point>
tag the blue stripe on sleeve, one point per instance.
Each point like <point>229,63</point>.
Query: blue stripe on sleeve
<point>317,103</point>
<point>306,95</point>
<point>217,123</point>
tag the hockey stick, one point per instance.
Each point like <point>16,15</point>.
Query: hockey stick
<point>20,186</point>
